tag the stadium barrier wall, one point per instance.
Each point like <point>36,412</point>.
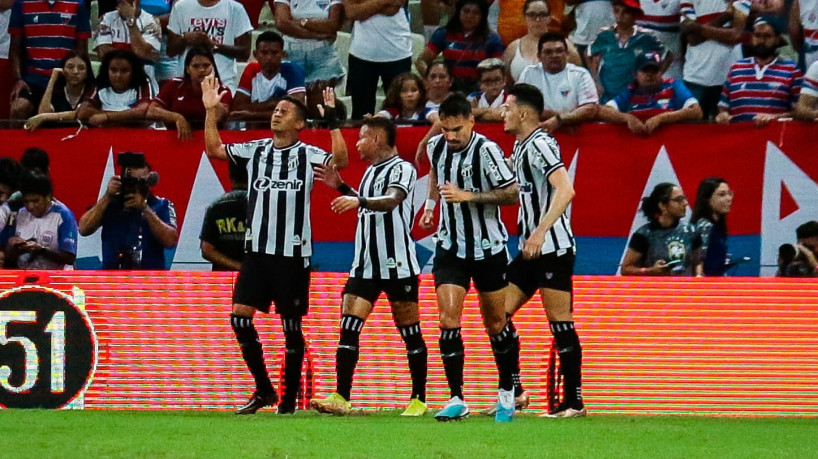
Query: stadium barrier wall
<point>772,170</point>
<point>162,340</point>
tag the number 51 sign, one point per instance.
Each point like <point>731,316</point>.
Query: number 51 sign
<point>48,348</point>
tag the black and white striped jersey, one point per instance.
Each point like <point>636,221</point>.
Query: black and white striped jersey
<point>278,200</point>
<point>384,248</point>
<point>535,159</point>
<point>471,231</point>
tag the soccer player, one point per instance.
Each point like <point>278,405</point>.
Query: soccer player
<point>546,259</point>
<point>384,261</point>
<point>276,267</point>
<point>471,176</point>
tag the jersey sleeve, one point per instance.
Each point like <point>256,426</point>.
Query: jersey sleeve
<point>83,19</point>
<point>67,231</point>
<point>16,19</point>
<point>495,167</point>
<point>245,150</point>
<point>587,89</point>
<point>795,88</point>
<point>166,212</point>
<point>437,42</point>
<point>622,101</point>
<point>152,32</point>
<point>103,34</point>
<point>175,24</point>
<point>639,243</point>
<point>494,46</point>
<point>167,93</point>
<point>246,81</point>
<point>294,75</point>
<point>810,86</point>
<point>402,176</point>
<point>682,97</point>
<point>239,14</point>
<point>209,231</point>
<point>318,156</point>
<point>545,154</point>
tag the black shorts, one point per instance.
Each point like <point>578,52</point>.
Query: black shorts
<point>548,271</point>
<point>489,274</point>
<point>403,290</point>
<point>265,279</point>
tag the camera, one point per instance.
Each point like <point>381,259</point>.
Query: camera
<point>130,184</point>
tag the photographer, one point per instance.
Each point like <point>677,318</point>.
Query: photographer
<point>137,226</point>
<point>801,259</point>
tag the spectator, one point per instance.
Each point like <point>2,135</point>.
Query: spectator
<point>613,53</point>
<point>713,201</point>
<point>487,103</point>
<point>665,246</point>
<point>381,48</point>
<point>69,85</point>
<point>712,30</point>
<point>10,171</point>
<point>568,90</point>
<point>651,101</point>
<point>165,67</point>
<point>180,100</point>
<point>464,41</point>
<point>6,76</point>
<point>309,29</point>
<point>807,107</point>
<point>223,230</point>
<point>803,25</point>
<point>222,26</point>
<point>438,85</point>
<point>525,50</point>
<point>44,232</point>
<point>760,88</point>
<point>405,100</point>
<point>123,92</point>
<point>33,161</point>
<point>137,226</point>
<point>38,44</point>
<point>266,81</point>
<point>130,27</point>
<point>661,17</point>
<point>591,17</point>
<point>801,259</point>
<point>509,26</point>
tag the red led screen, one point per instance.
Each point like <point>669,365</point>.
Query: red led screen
<point>734,347</point>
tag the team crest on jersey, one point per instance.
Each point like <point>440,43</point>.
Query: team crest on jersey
<point>47,238</point>
<point>296,240</point>
<point>486,244</point>
<point>292,163</point>
<point>526,188</point>
<point>467,171</point>
<point>394,176</point>
<point>391,264</point>
<point>379,185</point>
<point>565,92</point>
<point>549,275</point>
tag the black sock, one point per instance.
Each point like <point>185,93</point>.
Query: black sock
<point>346,356</point>
<point>418,358</point>
<point>570,362</point>
<point>247,336</point>
<point>518,384</point>
<point>452,352</point>
<point>294,344</point>
<point>505,355</point>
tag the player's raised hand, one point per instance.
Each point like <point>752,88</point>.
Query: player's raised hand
<point>427,220</point>
<point>211,97</point>
<point>329,175</point>
<point>451,193</point>
<point>342,204</point>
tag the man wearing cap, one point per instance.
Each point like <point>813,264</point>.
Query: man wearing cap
<point>137,226</point>
<point>613,53</point>
<point>568,90</point>
<point>761,88</point>
<point>651,101</point>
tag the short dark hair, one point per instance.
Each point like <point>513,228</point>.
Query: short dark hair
<point>527,95</point>
<point>300,107</point>
<point>10,171</point>
<point>35,159</point>
<point>808,229</point>
<point>35,183</point>
<point>456,104</point>
<point>551,36</point>
<point>660,194</point>
<point>270,37</point>
<point>384,124</point>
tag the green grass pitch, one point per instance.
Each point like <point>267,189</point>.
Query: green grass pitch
<point>95,434</point>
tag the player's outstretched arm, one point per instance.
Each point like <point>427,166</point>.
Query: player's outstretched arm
<point>385,203</point>
<point>564,193</point>
<point>340,155</point>
<point>211,98</point>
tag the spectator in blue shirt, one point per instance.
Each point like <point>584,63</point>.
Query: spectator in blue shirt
<point>137,226</point>
<point>651,101</point>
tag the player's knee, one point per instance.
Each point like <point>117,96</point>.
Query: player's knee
<point>449,318</point>
<point>494,324</point>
